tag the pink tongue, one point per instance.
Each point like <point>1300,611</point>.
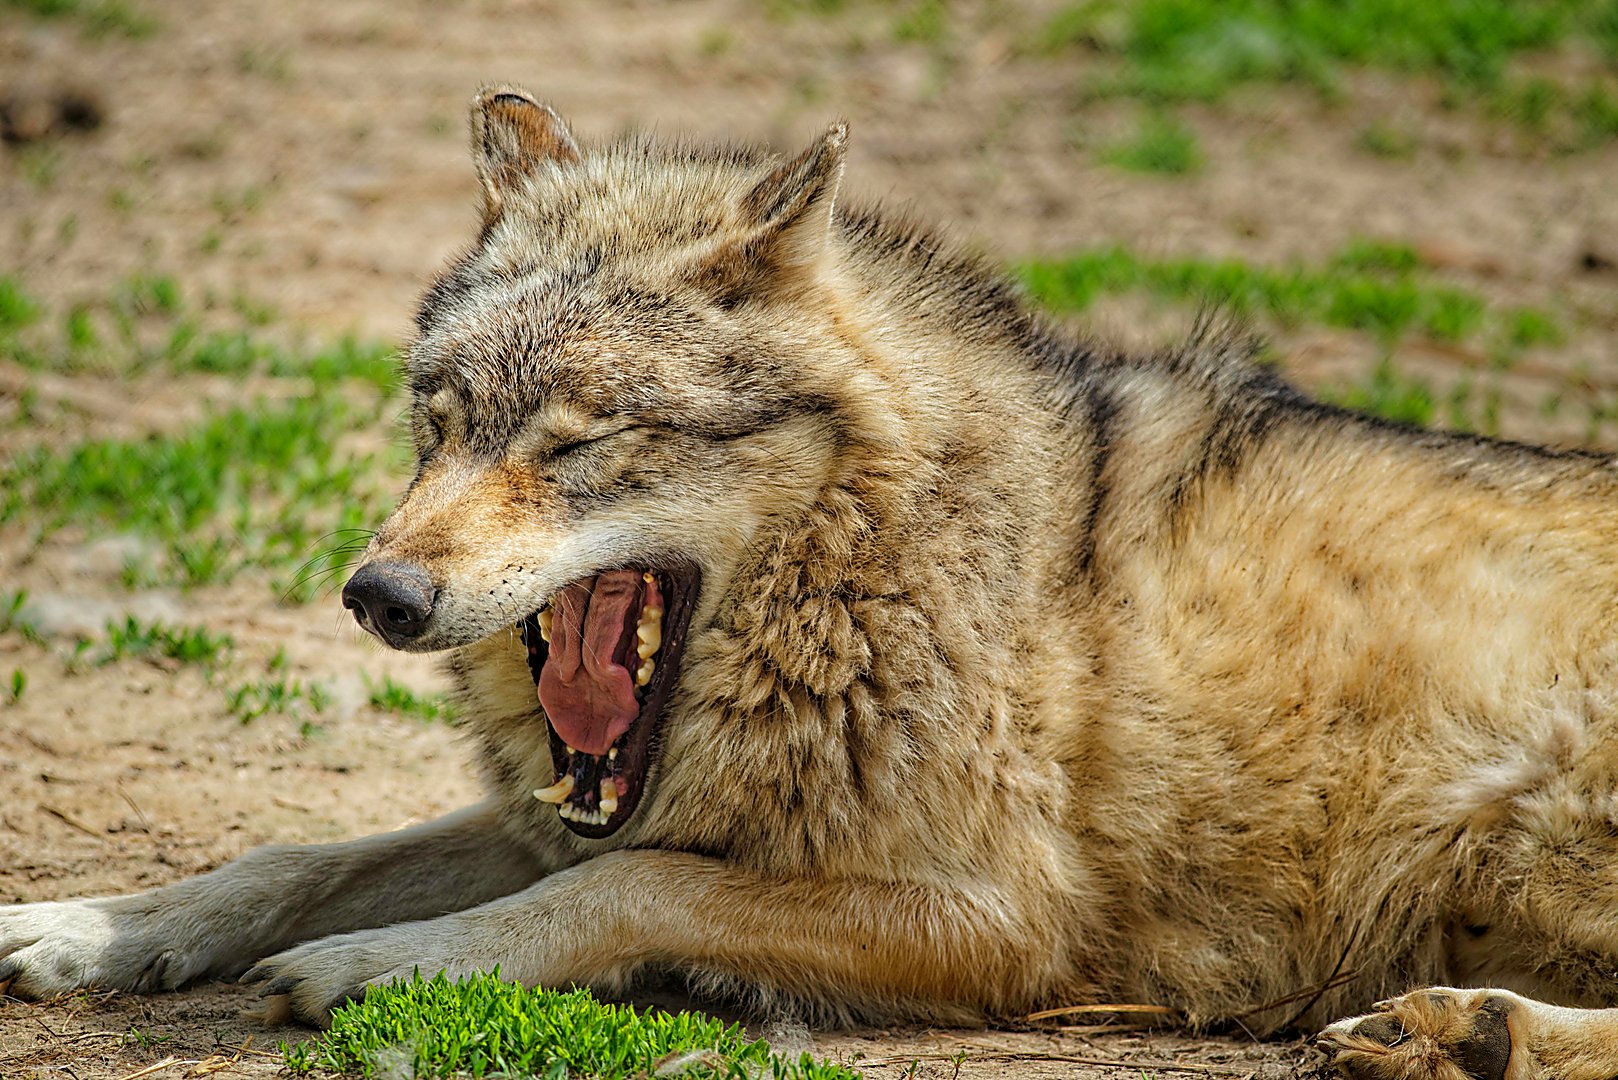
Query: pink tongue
<point>589,698</point>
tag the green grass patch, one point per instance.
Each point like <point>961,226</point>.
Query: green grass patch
<point>1160,145</point>
<point>1380,289</point>
<point>1388,393</point>
<point>17,309</point>
<point>394,697</point>
<point>97,18</point>
<point>182,644</point>
<point>147,323</point>
<point>483,1026</point>
<point>923,21</point>
<point>13,620</point>
<point>261,485</point>
<point>248,487</point>
<point>281,697</point>
<point>1384,140</point>
<point>1563,117</point>
<point>1394,395</point>
<point>1199,50</point>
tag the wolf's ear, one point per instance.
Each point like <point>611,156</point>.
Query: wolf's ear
<point>512,133</point>
<point>785,222</point>
<point>803,187</point>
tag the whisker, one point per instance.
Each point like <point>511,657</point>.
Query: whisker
<point>310,574</point>
<point>341,549</point>
<point>312,578</point>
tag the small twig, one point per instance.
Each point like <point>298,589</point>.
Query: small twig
<point>34,1016</point>
<point>88,1035</point>
<point>166,1063</point>
<point>68,819</point>
<point>1163,1066</point>
<point>214,1062</point>
<point>1106,1063</point>
<point>1073,1010</point>
<point>1314,991</point>
<point>145,824</point>
<point>245,1049</point>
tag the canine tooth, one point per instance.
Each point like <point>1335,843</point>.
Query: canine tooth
<point>609,798</point>
<point>557,792</point>
<point>644,675</point>
<point>545,619</point>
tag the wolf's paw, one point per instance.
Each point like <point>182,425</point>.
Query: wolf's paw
<point>52,948</point>
<point>1432,1034</point>
<point>306,983</point>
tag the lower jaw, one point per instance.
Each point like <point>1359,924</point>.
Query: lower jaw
<point>589,811</point>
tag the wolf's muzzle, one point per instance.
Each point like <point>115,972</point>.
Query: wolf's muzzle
<point>391,600</point>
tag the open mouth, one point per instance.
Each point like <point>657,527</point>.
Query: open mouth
<point>605,655</point>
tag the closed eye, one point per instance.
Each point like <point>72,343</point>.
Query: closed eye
<point>568,448</point>
<point>563,449</point>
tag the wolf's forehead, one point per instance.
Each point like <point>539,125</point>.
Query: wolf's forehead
<point>622,204</point>
<point>603,347</point>
<point>523,335</point>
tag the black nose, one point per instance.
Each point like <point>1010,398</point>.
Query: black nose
<point>392,600</point>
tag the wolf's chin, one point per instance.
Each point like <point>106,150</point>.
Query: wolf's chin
<point>605,655</point>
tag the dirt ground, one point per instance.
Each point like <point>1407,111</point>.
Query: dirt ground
<point>310,156</point>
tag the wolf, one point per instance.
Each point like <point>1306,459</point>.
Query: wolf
<point>840,635</point>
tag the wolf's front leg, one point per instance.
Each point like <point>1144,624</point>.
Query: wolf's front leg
<point>1445,1034</point>
<point>268,899</point>
<point>853,948</point>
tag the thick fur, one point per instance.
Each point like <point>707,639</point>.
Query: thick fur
<point>1024,673</point>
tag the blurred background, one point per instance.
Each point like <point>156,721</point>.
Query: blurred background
<point>215,218</point>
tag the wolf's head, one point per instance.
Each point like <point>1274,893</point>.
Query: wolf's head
<point>609,406</point>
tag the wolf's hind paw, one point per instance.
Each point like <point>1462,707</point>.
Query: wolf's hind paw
<point>1432,1034</point>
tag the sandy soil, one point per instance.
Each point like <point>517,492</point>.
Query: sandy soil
<point>310,156</point>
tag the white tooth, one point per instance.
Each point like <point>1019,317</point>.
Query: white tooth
<point>609,798</point>
<point>565,811</point>
<point>570,750</point>
<point>557,792</point>
<point>647,577</point>
<point>545,618</point>
<point>612,755</point>
<point>644,675</point>
<point>650,636</point>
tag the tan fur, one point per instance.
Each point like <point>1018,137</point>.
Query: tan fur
<point>1023,674</point>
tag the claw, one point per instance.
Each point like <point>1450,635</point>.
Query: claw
<point>282,985</point>
<point>256,973</point>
